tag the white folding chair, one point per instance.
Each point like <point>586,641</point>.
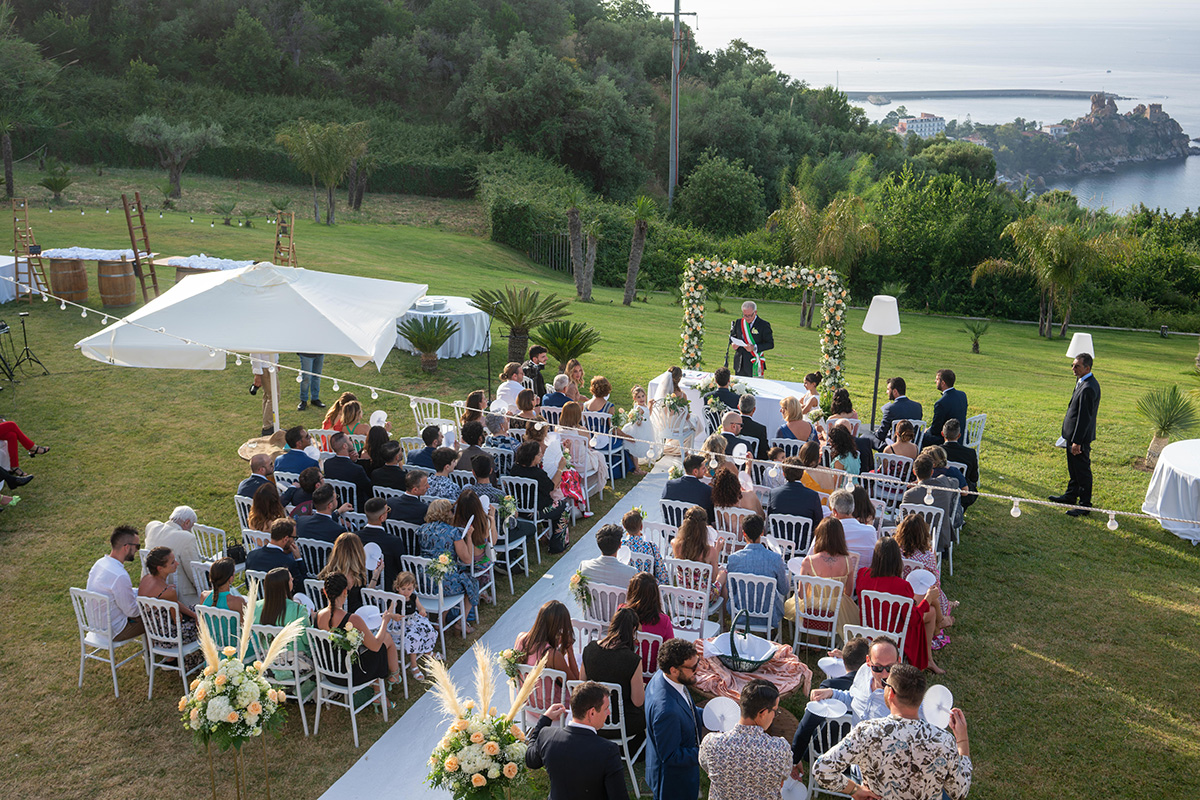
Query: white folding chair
<point>462,478</point>
<point>524,492</point>
<point>335,680</point>
<point>933,518</point>
<point>673,511</point>
<point>512,550</point>
<point>286,480</point>
<point>224,624</point>
<point>919,427</point>
<point>785,548</point>
<point>242,504</point>
<point>314,590</point>
<point>441,607</point>
<point>828,733</point>
<point>315,554</point>
<point>210,541</point>
<point>485,574</point>
<point>605,602</point>
<point>407,533</point>
<point>260,577</point>
<point>320,437</point>
<point>817,604</point>
<point>688,610</point>
<point>358,440</point>
<point>698,576</point>
<point>660,534</point>
<point>648,645</point>
<point>729,521</point>
<point>615,724</point>
<point>890,491</point>
<point>199,570</point>
<point>790,447</point>
<point>290,670</point>
<point>552,689</point>
<point>425,409</point>
<point>586,632</point>
<point>794,529</point>
<point>165,637</point>
<point>382,599</point>
<point>96,637</point>
<point>754,594</point>
<point>578,445</point>
<point>600,424</point>
<point>502,458</point>
<point>550,414</point>
<point>408,444</point>
<point>142,554</point>
<point>973,435</point>
<point>886,612</point>
<point>345,491</point>
<point>641,562</point>
<point>252,539</point>
<point>385,492</point>
<point>352,520</point>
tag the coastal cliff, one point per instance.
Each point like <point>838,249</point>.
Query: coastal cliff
<point>1105,138</point>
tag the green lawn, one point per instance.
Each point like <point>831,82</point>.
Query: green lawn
<point>1070,656</point>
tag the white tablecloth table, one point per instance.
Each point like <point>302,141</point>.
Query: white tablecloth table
<point>767,394</point>
<point>8,271</point>
<point>1174,489</point>
<point>472,328</point>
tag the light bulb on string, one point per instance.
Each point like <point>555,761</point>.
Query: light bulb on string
<point>1016,509</point>
<point>540,426</point>
<point>81,212</point>
<point>52,211</point>
<point>62,306</point>
<point>212,224</point>
<point>105,320</point>
<point>191,219</point>
<point>1112,521</point>
<point>83,313</point>
<point>108,211</point>
<point>237,361</point>
<point>374,394</point>
<point>299,377</point>
<point>212,353</point>
<point>413,404</point>
<point>45,298</point>
<point>160,216</point>
<point>713,463</point>
<point>773,472</point>
<point>162,330</point>
<point>271,369</point>
<point>929,497</point>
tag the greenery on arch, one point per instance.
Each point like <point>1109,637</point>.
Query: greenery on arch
<point>823,280</point>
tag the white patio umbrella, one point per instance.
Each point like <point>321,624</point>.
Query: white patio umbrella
<point>262,308</point>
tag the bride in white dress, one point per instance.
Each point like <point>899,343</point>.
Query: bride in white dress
<point>672,425</point>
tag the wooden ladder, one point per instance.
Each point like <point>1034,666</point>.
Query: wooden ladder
<point>29,271</point>
<point>142,254</point>
<point>285,242</point>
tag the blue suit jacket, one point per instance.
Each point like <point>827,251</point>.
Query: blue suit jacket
<point>896,410</point>
<point>556,399</point>
<point>797,500</point>
<point>422,457</point>
<point>689,489</point>
<point>294,461</point>
<point>672,742</point>
<point>248,487</point>
<point>951,405</point>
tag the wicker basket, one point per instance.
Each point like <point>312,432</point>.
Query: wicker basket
<point>734,661</point>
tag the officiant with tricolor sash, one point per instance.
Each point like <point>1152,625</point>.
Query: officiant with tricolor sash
<point>751,335</point>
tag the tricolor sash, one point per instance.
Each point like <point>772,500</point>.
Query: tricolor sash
<point>758,365</point>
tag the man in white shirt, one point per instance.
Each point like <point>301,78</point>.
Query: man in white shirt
<point>109,578</point>
<point>511,385</point>
<point>860,538</point>
<point>176,533</point>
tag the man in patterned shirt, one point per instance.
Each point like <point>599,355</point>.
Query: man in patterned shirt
<point>901,757</point>
<point>747,761</point>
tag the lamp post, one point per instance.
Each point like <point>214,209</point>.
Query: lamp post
<point>1080,343</point>
<point>883,319</point>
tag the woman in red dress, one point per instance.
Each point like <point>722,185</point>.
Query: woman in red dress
<point>884,576</point>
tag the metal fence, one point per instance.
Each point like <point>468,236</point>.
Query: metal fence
<point>552,250</point>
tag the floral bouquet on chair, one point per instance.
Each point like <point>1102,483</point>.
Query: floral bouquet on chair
<point>508,511</point>
<point>348,640</point>
<point>510,659</point>
<point>438,568</point>
<point>675,473</point>
<point>579,590</point>
<point>676,405</point>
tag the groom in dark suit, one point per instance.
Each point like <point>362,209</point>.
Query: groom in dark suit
<point>1078,431</point>
<point>898,407</point>
<point>951,405</point>
<point>580,763</point>
<point>754,331</point>
<point>690,489</point>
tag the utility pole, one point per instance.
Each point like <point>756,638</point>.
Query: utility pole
<point>676,46</point>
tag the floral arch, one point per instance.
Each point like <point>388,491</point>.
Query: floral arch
<point>822,280</point>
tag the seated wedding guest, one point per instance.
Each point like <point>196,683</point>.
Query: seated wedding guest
<point>899,407</point>
<point>176,534</point>
<point>726,395</point>
<point>617,658</point>
<point>533,368</point>
<point>438,535</point>
<point>497,432</point>
<point>419,636</point>
<point>854,655</point>
<point>431,435</point>
<point>578,762</point>
<point>750,428</point>
<point>942,468</point>
<point>794,498</point>
<point>559,397</point>
<point>526,410</point>
<point>605,568</point>
<point>389,474</point>
<point>643,597</point>
<point>281,551</point>
<point>955,450</point>
<point>776,455</point>
<point>841,409</point>
<point>756,559</point>
<point>473,412</point>
<point>689,488</point>
<point>713,450</point>
<point>641,433</point>
<point>727,493</point>
<point>483,534</point>
<point>843,450</point>
<point>411,506</point>
<point>261,471</point>
<point>483,486</point>
<point>371,456</point>
<point>632,523</point>
<point>221,575</point>
<point>441,484</point>
<point>351,419</point>
<point>377,658</point>
<point>794,426</point>
<point>902,752</point>
<point>828,557</point>
<point>525,466</point>
<point>551,633</point>
<point>473,437</point>
<point>864,509</point>
<point>14,436</point>
<point>883,575</point>
<point>343,467</point>
<point>747,761</point>
<point>860,538</point>
<point>576,439</point>
<point>109,578</point>
<point>903,444</point>
<point>349,558</point>
<point>265,508</point>
<point>731,429</point>
<point>536,431</point>
<point>322,523</point>
<point>333,414</point>
<point>928,484</point>
<point>811,399</point>
<point>512,379</point>
<point>916,544</point>
<point>574,371</point>
<point>294,459</point>
<point>392,547</point>
<point>160,565</point>
<point>601,389</point>
<point>691,544</point>
<point>299,497</point>
<point>815,478</point>
<point>278,608</point>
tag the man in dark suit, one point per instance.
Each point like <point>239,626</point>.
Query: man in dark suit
<point>754,331</point>
<point>794,498</point>
<point>281,552</point>
<point>261,470</point>
<point>951,405</point>
<point>728,396</point>
<point>322,524</point>
<point>854,655</point>
<point>673,724</point>
<point>558,398</point>
<point>391,474</point>
<point>409,507</point>
<point>1078,432</point>
<point>957,451</point>
<point>431,435</point>
<point>392,547</point>
<point>690,489</point>
<point>534,366</point>
<point>898,407</point>
<point>580,763</point>
<point>294,459</point>
<point>343,467</point>
<point>731,429</point>
<point>751,429</point>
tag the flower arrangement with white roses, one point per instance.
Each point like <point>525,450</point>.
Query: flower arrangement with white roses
<point>823,280</point>
<point>676,405</point>
<point>578,586</point>
<point>621,417</point>
<point>439,567</point>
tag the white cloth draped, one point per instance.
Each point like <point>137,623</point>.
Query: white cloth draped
<point>1174,489</point>
<point>472,327</point>
<point>767,393</point>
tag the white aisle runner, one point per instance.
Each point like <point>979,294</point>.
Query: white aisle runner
<point>396,765</point>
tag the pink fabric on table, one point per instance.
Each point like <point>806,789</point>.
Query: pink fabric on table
<point>785,670</point>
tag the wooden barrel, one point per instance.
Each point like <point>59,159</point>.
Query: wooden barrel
<point>68,279</point>
<point>116,283</point>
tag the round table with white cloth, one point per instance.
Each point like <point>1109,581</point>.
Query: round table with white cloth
<point>1175,489</point>
<point>472,326</point>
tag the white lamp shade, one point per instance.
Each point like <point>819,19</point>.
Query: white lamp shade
<point>883,317</point>
<point>1080,343</point>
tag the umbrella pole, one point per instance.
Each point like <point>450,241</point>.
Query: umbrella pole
<point>274,374</point>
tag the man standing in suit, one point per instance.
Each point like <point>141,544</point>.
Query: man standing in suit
<point>431,435</point>
<point>281,551</point>
<point>750,428</point>
<point>673,724</point>
<point>690,489</point>
<point>321,524</point>
<point>580,763</point>
<point>341,467</point>
<point>605,568</point>
<point>754,333</point>
<point>1078,432</point>
<point>794,498</point>
<point>898,407</point>
<point>951,405</point>
<point>392,547</point>
<point>261,470</point>
<point>728,396</point>
<point>957,451</point>
<point>409,507</point>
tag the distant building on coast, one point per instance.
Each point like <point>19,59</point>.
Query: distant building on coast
<point>925,126</point>
<point>1055,131</point>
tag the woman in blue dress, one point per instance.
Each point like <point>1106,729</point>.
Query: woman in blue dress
<point>795,426</point>
<point>438,536</point>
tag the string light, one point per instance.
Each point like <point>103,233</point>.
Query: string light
<point>1016,509</point>
<point>108,211</point>
<point>81,212</point>
<point>212,353</point>
<point>212,224</point>
<point>300,378</point>
<point>105,320</point>
<point>63,306</point>
<point>238,361</point>
<point>928,496</point>
<point>374,394</point>
<point>337,387</point>
<point>52,211</point>
<point>160,215</point>
<point>83,313</point>
<point>1112,521</point>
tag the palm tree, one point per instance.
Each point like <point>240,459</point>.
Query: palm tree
<point>976,328</point>
<point>427,335</point>
<point>521,311</point>
<point>575,231</point>
<point>1171,413</point>
<point>642,213</point>
<point>1027,235</point>
<point>565,340</point>
<point>592,231</point>
<point>325,152</point>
